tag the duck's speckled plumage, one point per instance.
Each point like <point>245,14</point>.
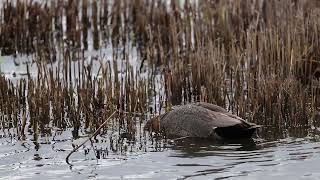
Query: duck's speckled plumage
<point>202,120</point>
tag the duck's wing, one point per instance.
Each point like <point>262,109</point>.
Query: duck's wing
<point>221,116</point>
<point>219,119</point>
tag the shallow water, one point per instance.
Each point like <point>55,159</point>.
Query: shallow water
<point>271,154</point>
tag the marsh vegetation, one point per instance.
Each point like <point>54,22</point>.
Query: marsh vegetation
<point>88,59</point>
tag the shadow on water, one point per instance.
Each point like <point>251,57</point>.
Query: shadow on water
<point>197,147</point>
<point>266,137</point>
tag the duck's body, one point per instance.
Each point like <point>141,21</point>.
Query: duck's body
<point>202,120</point>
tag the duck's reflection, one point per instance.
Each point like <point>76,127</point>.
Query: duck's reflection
<point>197,147</point>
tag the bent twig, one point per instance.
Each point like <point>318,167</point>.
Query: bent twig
<point>94,134</point>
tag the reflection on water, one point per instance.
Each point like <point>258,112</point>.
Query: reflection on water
<point>193,147</point>
<point>273,153</point>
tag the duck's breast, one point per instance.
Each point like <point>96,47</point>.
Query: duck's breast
<point>188,120</point>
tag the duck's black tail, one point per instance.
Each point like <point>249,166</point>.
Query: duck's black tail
<point>236,132</point>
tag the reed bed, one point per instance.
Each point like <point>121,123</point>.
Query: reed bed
<point>258,59</point>
<point>49,101</point>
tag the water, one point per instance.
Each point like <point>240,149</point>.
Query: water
<point>272,154</point>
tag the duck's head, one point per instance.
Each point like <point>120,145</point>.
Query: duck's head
<point>153,125</point>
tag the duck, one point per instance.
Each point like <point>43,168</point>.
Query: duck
<point>202,120</point>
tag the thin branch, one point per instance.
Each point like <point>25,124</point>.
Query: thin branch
<point>94,134</point>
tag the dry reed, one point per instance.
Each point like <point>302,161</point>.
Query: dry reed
<point>259,59</point>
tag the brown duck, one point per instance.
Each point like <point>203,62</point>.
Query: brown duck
<point>202,120</point>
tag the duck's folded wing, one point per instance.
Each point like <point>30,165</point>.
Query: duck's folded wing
<point>219,119</point>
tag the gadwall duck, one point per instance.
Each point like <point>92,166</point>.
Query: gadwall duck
<point>201,120</point>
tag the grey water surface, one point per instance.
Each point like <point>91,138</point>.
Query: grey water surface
<point>272,154</point>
